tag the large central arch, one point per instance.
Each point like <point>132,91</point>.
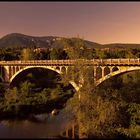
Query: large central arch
<point>76,87</point>
<point>119,71</point>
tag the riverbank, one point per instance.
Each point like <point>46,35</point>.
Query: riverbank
<point>23,110</point>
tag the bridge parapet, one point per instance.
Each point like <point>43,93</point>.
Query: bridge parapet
<point>102,62</point>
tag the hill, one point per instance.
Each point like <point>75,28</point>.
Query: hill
<point>20,40</point>
<point>122,45</point>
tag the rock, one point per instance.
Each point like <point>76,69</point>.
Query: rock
<point>55,112</point>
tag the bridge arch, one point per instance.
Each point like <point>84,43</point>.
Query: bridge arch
<point>98,72</point>
<point>115,68</point>
<point>106,70</point>
<point>63,70</point>
<point>119,71</point>
<point>45,67</point>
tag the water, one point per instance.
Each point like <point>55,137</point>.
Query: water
<point>36,126</point>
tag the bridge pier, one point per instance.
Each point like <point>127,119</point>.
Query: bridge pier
<point>103,73</point>
<point>94,73</point>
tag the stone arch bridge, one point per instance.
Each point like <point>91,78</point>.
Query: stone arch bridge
<point>103,68</point>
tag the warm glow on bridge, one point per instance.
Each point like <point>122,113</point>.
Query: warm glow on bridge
<point>120,61</point>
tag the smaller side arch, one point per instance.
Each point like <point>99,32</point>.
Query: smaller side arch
<point>58,68</point>
<point>115,69</point>
<point>98,73</point>
<point>106,70</point>
<point>63,70</point>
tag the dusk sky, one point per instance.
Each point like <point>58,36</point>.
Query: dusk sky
<point>101,22</point>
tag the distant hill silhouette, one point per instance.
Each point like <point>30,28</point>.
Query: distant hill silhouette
<point>20,40</point>
<point>121,45</point>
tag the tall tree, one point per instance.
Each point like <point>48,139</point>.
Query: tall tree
<point>75,48</point>
<point>27,54</point>
<point>94,115</point>
<point>54,55</point>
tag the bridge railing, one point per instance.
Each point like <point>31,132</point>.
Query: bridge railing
<point>127,61</point>
<point>118,61</point>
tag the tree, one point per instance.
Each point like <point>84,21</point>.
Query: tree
<point>75,48</point>
<point>133,129</point>
<point>27,54</point>
<point>11,96</point>
<point>11,99</point>
<point>56,92</point>
<point>75,104</point>
<point>54,55</point>
<point>25,88</point>
<point>94,115</point>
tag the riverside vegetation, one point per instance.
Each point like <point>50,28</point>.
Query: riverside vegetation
<point>111,110</point>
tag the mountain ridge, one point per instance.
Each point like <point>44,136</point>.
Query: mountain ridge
<point>21,40</point>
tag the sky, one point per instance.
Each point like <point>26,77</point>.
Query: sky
<point>101,22</point>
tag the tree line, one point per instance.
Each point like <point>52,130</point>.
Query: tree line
<point>66,49</point>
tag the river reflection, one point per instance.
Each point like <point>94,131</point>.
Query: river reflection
<point>36,126</point>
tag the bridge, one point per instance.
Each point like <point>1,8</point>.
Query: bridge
<point>103,68</point>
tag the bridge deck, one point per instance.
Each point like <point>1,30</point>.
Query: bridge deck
<point>118,62</point>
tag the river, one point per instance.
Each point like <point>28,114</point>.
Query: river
<point>35,126</point>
